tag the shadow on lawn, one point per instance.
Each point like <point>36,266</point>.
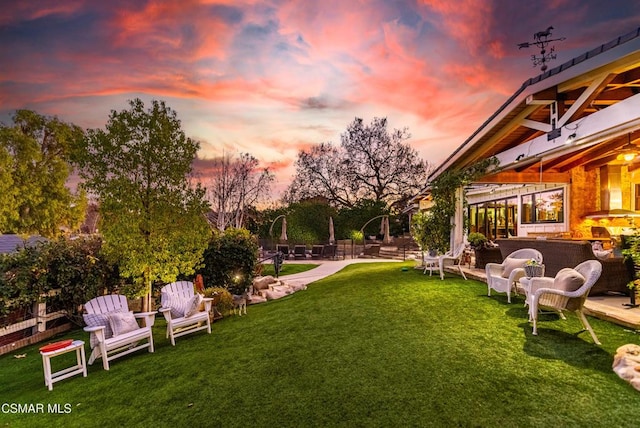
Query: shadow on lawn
<point>576,349</point>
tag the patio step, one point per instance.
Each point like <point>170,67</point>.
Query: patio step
<point>396,253</point>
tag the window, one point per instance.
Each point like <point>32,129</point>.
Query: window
<point>543,207</point>
<point>495,219</point>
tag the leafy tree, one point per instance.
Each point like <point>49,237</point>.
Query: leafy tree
<point>235,186</point>
<point>308,222</point>
<point>35,163</point>
<point>352,219</point>
<point>151,219</point>
<point>371,163</point>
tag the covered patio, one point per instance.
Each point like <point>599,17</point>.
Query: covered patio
<point>566,142</point>
<point>568,161</point>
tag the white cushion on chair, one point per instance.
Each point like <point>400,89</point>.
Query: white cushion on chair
<point>97,320</point>
<point>177,304</point>
<point>122,322</point>
<point>568,279</point>
<point>193,305</point>
<point>511,264</point>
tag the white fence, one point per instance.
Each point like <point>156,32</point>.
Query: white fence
<point>38,326</point>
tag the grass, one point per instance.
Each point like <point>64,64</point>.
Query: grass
<point>370,346</point>
<point>287,268</point>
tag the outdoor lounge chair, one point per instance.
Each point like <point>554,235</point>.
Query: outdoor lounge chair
<point>502,277</point>
<point>284,249</point>
<point>300,252</point>
<point>316,251</point>
<point>567,291</point>
<point>329,252</point>
<point>114,329</point>
<point>181,309</point>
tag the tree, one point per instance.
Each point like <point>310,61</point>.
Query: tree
<point>236,185</point>
<point>371,163</point>
<point>432,229</point>
<point>35,163</point>
<point>151,219</point>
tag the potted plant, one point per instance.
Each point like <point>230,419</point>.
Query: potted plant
<point>477,240</point>
<point>533,268</point>
<point>481,251</point>
<point>632,253</point>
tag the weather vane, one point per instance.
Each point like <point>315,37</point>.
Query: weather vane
<point>541,39</point>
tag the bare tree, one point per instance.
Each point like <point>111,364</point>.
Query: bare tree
<point>236,185</point>
<point>370,163</point>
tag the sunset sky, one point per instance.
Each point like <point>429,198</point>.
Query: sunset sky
<point>273,77</point>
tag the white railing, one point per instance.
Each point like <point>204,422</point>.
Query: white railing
<point>37,324</point>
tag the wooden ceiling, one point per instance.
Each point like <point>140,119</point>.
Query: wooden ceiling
<point>614,88</point>
<point>559,99</point>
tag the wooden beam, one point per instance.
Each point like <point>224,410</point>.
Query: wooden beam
<point>600,162</point>
<point>584,100</point>
<point>511,177</point>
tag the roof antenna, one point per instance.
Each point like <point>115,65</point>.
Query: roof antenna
<point>541,39</point>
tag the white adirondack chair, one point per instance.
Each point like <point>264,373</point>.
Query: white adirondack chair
<point>107,346</point>
<point>176,295</point>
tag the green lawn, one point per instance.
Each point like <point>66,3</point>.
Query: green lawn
<point>287,268</point>
<point>370,346</point>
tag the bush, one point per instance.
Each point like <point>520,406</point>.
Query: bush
<point>230,260</point>
<point>64,273</point>
<point>477,239</point>
<point>223,300</point>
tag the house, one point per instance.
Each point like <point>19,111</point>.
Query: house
<point>10,243</point>
<point>567,145</point>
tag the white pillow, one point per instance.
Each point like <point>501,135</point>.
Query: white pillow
<point>510,264</point>
<point>177,304</point>
<point>122,322</point>
<point>568,279</point>
<point>193,305</point>
<point>96,320</point>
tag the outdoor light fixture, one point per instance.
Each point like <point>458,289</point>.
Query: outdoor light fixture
<point>629,151</point>
<point>520,156</point>
<point>570,138</point>
<point>554,133</point>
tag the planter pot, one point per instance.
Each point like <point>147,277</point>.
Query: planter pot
<point>534,271</point>
<point>487,255</point>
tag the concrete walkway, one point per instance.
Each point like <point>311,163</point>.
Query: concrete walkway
<point>325,268</point>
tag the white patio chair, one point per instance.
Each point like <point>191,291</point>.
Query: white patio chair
<point>180,307</point>
<point>502,277</point>
<point>567,291</point>
<point>452,258</point>
<point>114,329</point>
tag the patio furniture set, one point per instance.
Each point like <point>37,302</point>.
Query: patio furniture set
<point>567,290</point>
<point>115,331</point>
<point>300,252</point>
<point>564,289</point>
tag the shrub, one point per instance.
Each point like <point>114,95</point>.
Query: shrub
<point>477,239</point>
<point>230,259</point>
<point>64,273</point>
<point>223,300</point>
